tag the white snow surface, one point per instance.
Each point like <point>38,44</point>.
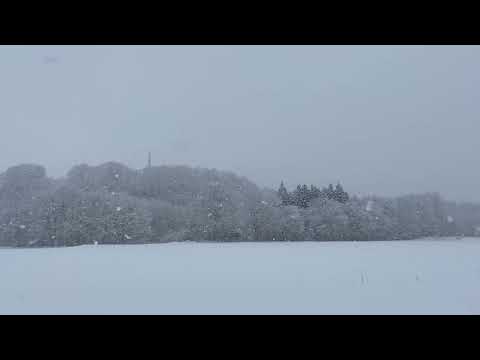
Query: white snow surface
<point>428,276</point>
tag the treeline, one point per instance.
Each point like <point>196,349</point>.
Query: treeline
<point>113,204</point>
<point>302,196</point>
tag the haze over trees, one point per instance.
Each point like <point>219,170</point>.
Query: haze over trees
<point>113,204</point>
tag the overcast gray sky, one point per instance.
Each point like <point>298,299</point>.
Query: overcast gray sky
<point>381,119</point>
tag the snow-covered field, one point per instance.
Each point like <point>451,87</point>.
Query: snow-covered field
<point>439,276</point>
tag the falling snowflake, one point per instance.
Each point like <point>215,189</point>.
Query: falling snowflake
<point>22,226</point>
<point>117,176</point>
<point>119,208</point>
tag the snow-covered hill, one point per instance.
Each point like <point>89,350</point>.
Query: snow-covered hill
<point>432,276</point>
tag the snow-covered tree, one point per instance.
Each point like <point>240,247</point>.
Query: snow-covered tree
<point>284,195</point>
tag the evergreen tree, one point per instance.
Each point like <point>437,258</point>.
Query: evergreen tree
<point>340,195</point>
<point>304,197</point>
<point>329,192</point>
<point>284,195</point>
<point>314,192</point>
<point>296,196</point>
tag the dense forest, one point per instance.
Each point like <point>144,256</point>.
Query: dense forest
<point>113,204</point>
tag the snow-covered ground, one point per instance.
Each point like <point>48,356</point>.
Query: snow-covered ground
<point>406,277</point>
